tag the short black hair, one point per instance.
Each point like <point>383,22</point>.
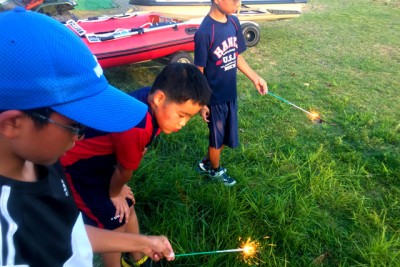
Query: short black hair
<point>182,82</point>
<point>39,122</point>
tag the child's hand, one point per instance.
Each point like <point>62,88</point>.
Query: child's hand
<point>120,204</point>
<point>127,192</point>
<point>261,85</point>
<point>160,248</point>
<point>205,112</point>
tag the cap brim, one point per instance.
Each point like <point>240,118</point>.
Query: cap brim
<point>111,110</point>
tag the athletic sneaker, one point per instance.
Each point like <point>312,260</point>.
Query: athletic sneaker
<point>204,167</point>
<point>221,176</point>
<point>127,261</point>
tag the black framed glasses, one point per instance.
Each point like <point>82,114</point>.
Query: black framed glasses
<point>77,128</point>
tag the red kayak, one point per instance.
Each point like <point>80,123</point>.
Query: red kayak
<point>135,37</point>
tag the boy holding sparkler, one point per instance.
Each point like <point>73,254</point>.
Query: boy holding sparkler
<point>100,165</point>
<point>219,43</point>
<point>50,83</point>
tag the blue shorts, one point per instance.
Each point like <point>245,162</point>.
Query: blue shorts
<point>223,125</point>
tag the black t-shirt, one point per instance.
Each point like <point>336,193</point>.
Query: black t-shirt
<point>40,224</point>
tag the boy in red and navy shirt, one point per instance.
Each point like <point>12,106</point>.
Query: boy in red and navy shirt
<point>100,165</point>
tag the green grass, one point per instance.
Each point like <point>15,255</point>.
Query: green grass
<point>94,4</point>
<point>324,194</point>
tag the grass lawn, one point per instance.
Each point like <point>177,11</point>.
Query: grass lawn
<point>94,4</point>
<point>310,194</point>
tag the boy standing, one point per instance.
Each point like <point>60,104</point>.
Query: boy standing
<point>219,43</point>
<point>50,83</point>
<point>100,165</point>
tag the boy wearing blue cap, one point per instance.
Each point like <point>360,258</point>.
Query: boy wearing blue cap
<point>100,165</point>
<point>219,43</point>
<point>50,87</point>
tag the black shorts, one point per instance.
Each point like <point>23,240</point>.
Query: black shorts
<point>223,125</point>
<point>103,214</point>
<point>95,203</point>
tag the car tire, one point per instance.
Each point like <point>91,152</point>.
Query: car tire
<point>181,57</point>
<point>251,34</point>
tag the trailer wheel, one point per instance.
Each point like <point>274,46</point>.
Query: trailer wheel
<point>181,57</point>
<point>251,34</point>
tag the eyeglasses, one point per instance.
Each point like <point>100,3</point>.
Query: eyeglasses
<point>78,128</point>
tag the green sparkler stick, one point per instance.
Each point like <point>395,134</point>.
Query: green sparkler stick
<point>284,100</point>
<point>314,117</point>
<point>209,252</point>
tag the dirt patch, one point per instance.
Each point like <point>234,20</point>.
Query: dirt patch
<point>121,6</point>
<point>391,3</point>
<point>313,7</point>
<point>388,51</point>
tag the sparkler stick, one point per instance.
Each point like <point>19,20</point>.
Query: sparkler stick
<point>210,252</point>
<point>249,249</point>
<point>290,103</point>
<point>313,116</point>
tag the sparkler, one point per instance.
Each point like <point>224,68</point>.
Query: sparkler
<point>210,252</point>
<point>249,249</point>
<point>313,115</point>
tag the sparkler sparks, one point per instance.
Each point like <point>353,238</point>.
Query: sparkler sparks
<point>250,250</point>
<point>314,116</point>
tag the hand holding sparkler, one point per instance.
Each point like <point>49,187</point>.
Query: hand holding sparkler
<point>261,85</point>
<point>159,247</point>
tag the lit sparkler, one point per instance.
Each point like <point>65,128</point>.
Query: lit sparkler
<point>210,252</point>
<point>249,249</point>
<point>313,115</point>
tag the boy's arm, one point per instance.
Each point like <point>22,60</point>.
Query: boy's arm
<point>128,148</point>
<point>259,82</point>
<point>119,191</point>
<point>204,111</point>
<point>156,247</point>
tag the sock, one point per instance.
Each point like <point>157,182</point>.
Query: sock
<point>217,169</point>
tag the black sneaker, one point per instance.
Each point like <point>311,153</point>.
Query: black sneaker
<point>204,167</point>
<point>221,176</point>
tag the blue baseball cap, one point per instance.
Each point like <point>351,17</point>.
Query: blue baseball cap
<point>44,64</point>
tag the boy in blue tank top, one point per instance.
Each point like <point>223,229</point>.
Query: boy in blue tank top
<point>219,43</point>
